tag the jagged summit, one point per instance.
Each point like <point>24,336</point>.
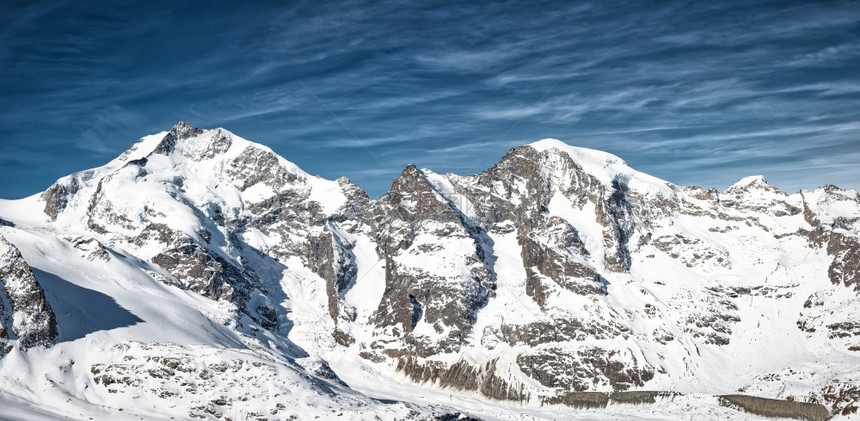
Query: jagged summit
<point>181,131</point>
<point>197,144</point>
<point>184,129</point>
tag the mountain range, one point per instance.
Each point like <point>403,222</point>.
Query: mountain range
<point>201,275</point>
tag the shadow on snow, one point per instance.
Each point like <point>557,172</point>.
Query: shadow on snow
<point>81,311</point>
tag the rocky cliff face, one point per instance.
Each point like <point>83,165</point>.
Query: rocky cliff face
<point>558,272</point>
<point>26,318</point>
<point>436,276</point>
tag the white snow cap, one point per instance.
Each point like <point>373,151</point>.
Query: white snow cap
<point>607,168</point>
<point>751,181</point>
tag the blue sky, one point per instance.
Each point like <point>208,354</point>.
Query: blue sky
<point>702,94</point>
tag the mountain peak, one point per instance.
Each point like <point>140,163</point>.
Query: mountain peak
<point>751,180</point>
<point>578,153</point>
<point>184,129</point>
<point>757,182</point>
<point>606,167</point>
<point>205,144</point>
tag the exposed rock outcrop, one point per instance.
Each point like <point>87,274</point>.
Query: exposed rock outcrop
<point>26,317</point>
<point>776,407</point>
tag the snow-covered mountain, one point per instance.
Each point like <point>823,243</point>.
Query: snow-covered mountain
<point>200,275</point>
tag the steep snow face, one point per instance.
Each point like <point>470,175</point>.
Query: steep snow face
<point>193,270</point>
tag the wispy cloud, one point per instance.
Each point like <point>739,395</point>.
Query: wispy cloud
<point>694,93</point>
